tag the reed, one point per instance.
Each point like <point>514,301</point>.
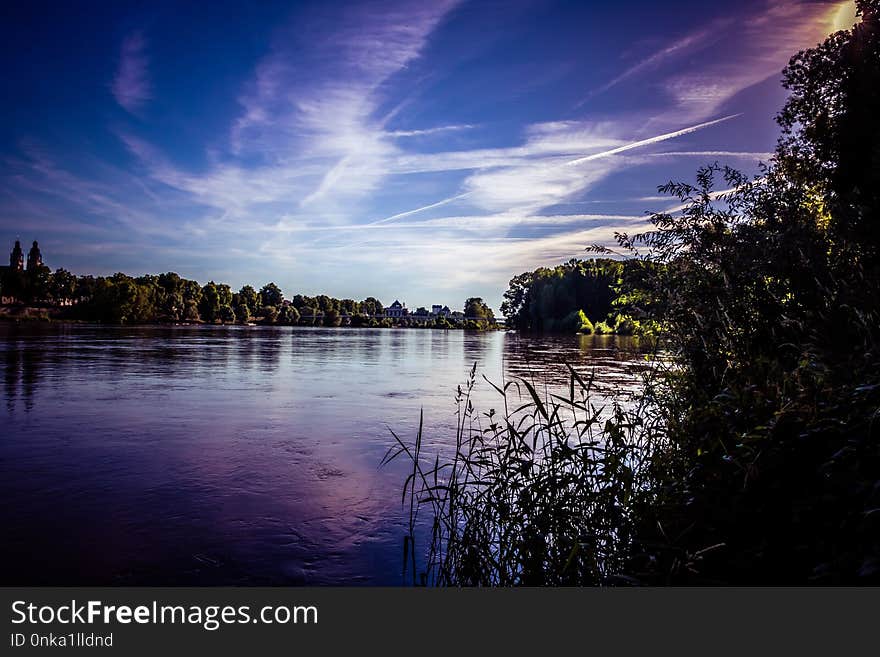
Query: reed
<point>540,493</point>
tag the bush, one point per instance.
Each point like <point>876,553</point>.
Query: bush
<point>577,322</point>
<point>626,325</point>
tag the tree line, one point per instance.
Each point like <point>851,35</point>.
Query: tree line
<point>579,296</point>
<point>123,299</point>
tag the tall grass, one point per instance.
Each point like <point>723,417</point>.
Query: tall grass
<point>538,494</point>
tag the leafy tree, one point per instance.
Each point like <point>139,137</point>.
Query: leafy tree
<point>542,299</point>
<point>288,315</point>
<point>227,314</point>
<point>331,318</point>
<point>576,322</point>
<point>62,286</point>
<point>248,296</point>
<point>475,308</point>
<point>271,295</point>
<point>209,306</point>
<point>372,306</point>
<point>307,315</point>
<point>242,313</point>
<point>769,455</point>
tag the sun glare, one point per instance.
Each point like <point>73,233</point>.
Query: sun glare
<point>844,16</point>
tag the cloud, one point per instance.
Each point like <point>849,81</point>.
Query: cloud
<point>534,175</point>
<point>131,87</point>
<point>735,53</point>
<point>309,136</point>
<point>428,131</point>
<point>539,184</point>
<point>677,48</point>
<point>754,49</point>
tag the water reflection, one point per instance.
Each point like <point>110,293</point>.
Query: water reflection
<point>233,455</point>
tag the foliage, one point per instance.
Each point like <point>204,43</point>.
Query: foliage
<point>476,309</point>
<point>576,322</point>
<point>772,452</point>
<point>544,299</point>
<point>271,295</point>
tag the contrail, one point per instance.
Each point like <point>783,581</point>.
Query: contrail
<point>580,160</point>
<point>651,140</point>
<point>401,215</point>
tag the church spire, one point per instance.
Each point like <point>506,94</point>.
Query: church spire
<point>16,258</point>
<point>35,258</point>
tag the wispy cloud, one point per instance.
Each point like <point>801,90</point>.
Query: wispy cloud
<point>429,131</point>
<point>310,137</point>
<point>131,86</point>
<point>677,48</point>
<point>760,45</point>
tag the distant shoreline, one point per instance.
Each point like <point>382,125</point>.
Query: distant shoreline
<point>50,315</point>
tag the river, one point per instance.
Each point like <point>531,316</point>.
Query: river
<point>236,455</point>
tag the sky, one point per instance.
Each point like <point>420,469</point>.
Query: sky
<point>425,151</point>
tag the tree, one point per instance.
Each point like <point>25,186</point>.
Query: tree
<point>248,297</point>
<point>172,303</point>
<point>62,286</point>
<point>475,308</point>
<point>831,142</point>
<point>227,314</point>
<point>288,315</point>
<point>372,306</point>
<point>515,298</point>
<point>307,315</point>
<point>242,313</point>
<point>769,447</point>
<point>271,295</point>
<point>542,299</point>
<point>576,322</point>
<point>209,306</point>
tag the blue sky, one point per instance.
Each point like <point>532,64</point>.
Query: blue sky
<point>426,151</point>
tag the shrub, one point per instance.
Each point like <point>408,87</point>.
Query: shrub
<point>576,322</point>
<point>626,325</point>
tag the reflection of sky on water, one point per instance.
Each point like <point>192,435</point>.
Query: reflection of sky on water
<point>233,455</point>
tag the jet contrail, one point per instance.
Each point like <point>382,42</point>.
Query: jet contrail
<point>401,215</point>
<point>580,160</point>
<point>651,140</point>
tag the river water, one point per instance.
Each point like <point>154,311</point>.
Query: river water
<point>236,455</point>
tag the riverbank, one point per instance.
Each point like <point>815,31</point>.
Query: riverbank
<point>65,315</point>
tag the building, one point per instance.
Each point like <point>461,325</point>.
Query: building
<point>10,281</point>
<point>7,286</point>
<point>35,258</point>
<point>16,258</point>
<point>396,310</point>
